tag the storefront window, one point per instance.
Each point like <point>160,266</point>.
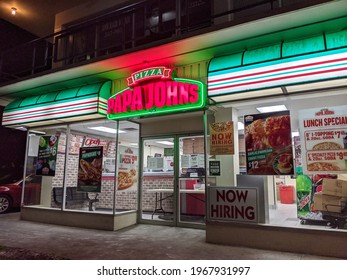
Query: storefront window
<point>300,159</point>
<point>44,166</point>
<point>80,168</point>
<point>127,166</point>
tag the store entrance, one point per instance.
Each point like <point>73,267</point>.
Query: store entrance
<point>173,181</point>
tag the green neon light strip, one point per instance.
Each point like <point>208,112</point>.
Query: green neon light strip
<point>202,92</point>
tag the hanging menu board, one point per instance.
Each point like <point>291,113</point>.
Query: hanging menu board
<point>269,144</point>
<point>324,135</point>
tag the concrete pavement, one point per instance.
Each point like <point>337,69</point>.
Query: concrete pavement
<point>140,242</point>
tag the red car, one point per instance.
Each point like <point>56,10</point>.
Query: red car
<point>11,194</point>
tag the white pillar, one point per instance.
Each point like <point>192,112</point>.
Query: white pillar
<point>229,163</point>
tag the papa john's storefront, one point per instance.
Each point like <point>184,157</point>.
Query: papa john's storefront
<point>184,146</point>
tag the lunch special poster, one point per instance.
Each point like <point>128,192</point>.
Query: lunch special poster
<point>90,169</point>
<point>324,135</point>
<point>268,142</point>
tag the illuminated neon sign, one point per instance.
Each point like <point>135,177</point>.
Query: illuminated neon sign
<point>154,91</point>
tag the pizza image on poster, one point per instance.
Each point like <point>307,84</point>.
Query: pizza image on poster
<point>324,135</point>
<point>269,144</point>
<point>90,169</point>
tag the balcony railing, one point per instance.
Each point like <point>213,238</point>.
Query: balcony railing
<point>137,25</point>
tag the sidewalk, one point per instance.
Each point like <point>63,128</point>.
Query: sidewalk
<point>141,242</point>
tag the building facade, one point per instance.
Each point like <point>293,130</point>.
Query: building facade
<point>151,114</point>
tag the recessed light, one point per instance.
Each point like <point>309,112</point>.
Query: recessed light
<point>240,126</point>
<point>165,143</point>
<point>274,108</point>
<point>106,129</point>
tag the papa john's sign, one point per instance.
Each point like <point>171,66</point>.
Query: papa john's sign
<point>155,91</point>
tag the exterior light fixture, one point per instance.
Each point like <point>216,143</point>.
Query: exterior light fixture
<point>13,11</point>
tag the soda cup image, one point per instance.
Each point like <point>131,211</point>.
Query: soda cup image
<point>42,142</point>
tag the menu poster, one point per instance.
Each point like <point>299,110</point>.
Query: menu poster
<point>47,155</point>
<point>269,144</point>
<point>222,138</point>
<point>155,163</point>
<point>323,132</point>
<point>128,160</point>
<point>90,169</point>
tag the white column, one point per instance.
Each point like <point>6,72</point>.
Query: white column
<point>229,163</point>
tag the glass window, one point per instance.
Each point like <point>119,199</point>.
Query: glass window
<point>44,166</point>
<point>291,198</point>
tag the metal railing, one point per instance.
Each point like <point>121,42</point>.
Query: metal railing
<point>139,25</point>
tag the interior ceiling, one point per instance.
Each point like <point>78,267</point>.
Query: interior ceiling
<point>35,16</point>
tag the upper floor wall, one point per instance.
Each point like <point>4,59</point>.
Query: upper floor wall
<point>101,29</point>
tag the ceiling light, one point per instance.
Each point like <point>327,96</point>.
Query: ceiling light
<point>134,144</point>
<point>165,143</point>
<point>106,129</point>
<point>240,126</point>
<point>13,11</point>
<point>275,108</point>
<point>295,133</point>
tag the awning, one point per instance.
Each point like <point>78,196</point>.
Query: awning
<point>313,59</point>
<point>86,102</point>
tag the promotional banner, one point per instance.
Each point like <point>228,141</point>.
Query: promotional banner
<point>128,162</point>
<point>90,169</point>
<point>324,134</point>
<point>222,138</point>
<point>269,144</point>
<point>47,155</point>
<point>232,204</point>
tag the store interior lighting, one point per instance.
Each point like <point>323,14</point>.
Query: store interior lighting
<point>275,108</point>
<point>106,129</point>
<point>165,143</point>
<point>240,126</point>
<point>295,133</point>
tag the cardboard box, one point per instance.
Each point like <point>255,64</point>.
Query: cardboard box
<point>328,203</point>
<point>343,185</point>
<point>331,187</point>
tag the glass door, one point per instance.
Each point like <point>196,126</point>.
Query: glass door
<point>158,181</point>
<point>173,181</point>
<point>191,177</point>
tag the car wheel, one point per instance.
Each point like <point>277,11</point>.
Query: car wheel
<point>5,204</point>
